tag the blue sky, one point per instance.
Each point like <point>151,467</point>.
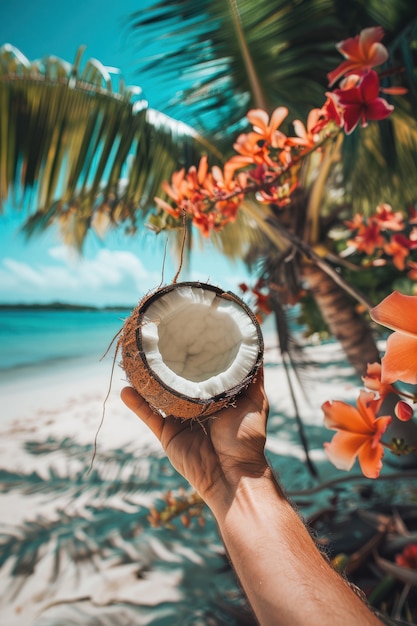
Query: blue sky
<point>120,269</point>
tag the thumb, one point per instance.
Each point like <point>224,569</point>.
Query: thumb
<point>141,408</point>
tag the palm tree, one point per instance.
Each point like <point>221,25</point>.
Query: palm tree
<point>248,55</point>
<point>84,151</point>
<point>74,150</point>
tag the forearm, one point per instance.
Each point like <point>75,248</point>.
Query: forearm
<point>286,579</point>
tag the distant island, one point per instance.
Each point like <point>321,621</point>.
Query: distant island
<point>63,306</point>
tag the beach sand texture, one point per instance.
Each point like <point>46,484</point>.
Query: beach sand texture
<point>77,548</point>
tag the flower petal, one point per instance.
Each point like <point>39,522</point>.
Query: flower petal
<point>400,360</point>
<point>343,449</point>
<point>398,312</point>
<point>378,109</point>
<point>341,416</point>
<point>369,86</point>
<point>277,117</point>
<point>351,117</point>
<point>370,459</point>
<point>258,118</point>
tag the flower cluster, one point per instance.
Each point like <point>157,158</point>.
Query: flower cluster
<point>385,237</point>
<point>261,304</point>
<point>408,557</point>
<point>360,430</point>
<point>210,198</point>
<point>266,156</point>
<point>183,505</point>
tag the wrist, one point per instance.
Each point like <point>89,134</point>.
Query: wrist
<point>242,490</point>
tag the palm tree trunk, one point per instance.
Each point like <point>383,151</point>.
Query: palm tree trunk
<point>339,312</point>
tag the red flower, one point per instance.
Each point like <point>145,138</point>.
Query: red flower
<point>408,557</point>
<point>368,238</point>
<point>388,219</point>
<point>403,411</point>
<point>361,103</point>
<point>361,53</point>
<point>328,112</point>
<point>359,434</point>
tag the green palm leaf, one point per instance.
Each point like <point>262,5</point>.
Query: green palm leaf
<point>90,156</point>
<point>238,54</point>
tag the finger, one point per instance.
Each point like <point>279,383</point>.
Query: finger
<point>138,405</point>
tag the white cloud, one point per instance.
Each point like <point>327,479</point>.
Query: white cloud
<point>105,276</point>
<point>110,277</point>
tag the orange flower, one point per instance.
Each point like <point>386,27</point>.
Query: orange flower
<point>372,380</point>
<point>399,249</point>
<point>357,222</point>
<point>359,434</point>
<point>408,557</point>
<point>399,313</point>
<point>306,137</point>
<point>368,238</point>
<point>267,129</point>
<point>412,270</point>
<point>361,53</point>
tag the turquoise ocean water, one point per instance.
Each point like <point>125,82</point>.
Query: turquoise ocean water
<point>35,338</point>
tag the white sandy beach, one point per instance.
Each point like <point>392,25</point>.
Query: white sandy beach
<point>48,425</point>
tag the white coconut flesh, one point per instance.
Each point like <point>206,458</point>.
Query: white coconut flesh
<point>198,343</point>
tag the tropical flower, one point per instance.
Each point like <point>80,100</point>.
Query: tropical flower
<point>399,313</point>
<point>328,112</point>
<point>307,137</point>
<point>399,249</point>
<point>267,129</point>
<point>361,102</point>
<point>359,433</point>
<point>388,219</point>
<point>361,53</point>
<point>368,238</point>
<point>408,557</point>
<point>372,380</point>
<point>412,270</point>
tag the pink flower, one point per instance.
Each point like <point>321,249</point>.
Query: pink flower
<point>361,103</point>
<point>361,53</point>
<point>388,219</point>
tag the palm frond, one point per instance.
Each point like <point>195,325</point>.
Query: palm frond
<point>81,152</point>
<point>226,53</point>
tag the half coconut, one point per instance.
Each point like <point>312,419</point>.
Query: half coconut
<point>190,348</point>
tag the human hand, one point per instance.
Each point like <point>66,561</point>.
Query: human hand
<point>215,455</point>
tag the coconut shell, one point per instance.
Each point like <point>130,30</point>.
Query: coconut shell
<point>149,385</point>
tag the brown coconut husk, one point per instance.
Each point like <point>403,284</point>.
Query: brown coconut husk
<point>156,392</point>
